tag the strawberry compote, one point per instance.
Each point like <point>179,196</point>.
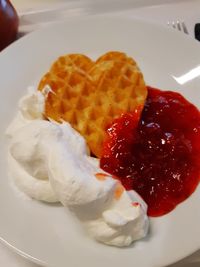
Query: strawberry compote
<point>159,157</point>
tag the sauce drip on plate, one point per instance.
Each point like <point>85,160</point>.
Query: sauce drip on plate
<point>160,157</point>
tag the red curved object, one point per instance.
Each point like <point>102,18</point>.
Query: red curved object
<point>9,22</point>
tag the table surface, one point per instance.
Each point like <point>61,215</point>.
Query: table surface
<point>162,12</point>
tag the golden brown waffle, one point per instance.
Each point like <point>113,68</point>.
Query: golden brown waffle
<point>89,95</point>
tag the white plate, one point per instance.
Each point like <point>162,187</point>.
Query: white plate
<point>46,233</point>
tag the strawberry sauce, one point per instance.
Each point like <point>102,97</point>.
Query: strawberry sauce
<point>159,157</point>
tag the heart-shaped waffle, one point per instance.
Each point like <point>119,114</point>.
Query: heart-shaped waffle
<point>90,94</point>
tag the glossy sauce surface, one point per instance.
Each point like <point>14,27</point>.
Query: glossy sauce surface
<point>160,157</point>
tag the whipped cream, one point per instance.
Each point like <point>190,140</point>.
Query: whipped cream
<point>31,107</point>
<point>50,162</point>
<point>26,170</point>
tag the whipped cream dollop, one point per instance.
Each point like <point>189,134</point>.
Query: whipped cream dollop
<point>50,162</point>
<point>25,167</point>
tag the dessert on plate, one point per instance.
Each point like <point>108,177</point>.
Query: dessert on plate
<point>94,137</point>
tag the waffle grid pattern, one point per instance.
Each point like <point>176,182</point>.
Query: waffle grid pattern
<point>89,95</point>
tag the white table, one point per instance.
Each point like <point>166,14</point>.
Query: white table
<point>188,11</point>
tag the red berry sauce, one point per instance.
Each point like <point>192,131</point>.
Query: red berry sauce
<point>160,157</point>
